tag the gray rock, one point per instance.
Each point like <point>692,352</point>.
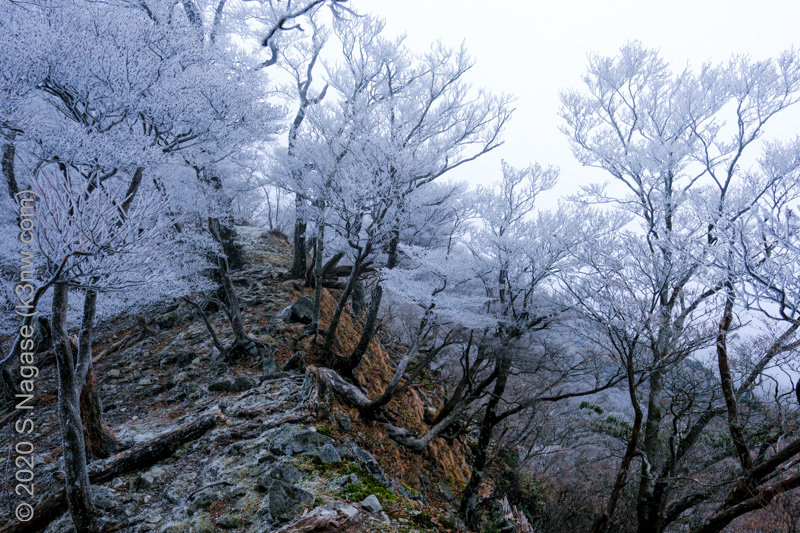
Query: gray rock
<point>372,504</point>
<point>446,492</point>
<point>302,310</point>
<point>143,482</point>
<point>286,501</point>
<point>281,472</point>
<point>328,454</point>
<point>348,510</point>
<point>238,384</point>
<point>103,497</point>
<point>113,373</point>
<point>297,440</point>
<point>285,314</point>
<point>269,367</point>
<point>345,423</point>
<point>276,375</point>
<point>202,501</point>
<point>295,361</point>
<point>252,348</point>
<point>371,464</point>
<point>347,480</point>
<point>169,319</point>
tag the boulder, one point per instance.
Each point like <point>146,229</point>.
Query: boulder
<point>269,367</point>
<point>286,501</point>
<point>350,479</point>
<point>372,504</point>
<point>169,319</point>
<point>281,472</point>
<point>302,310</point>
<point>328,454</point>
<point>103,497</point>
<point>295,361</point>
<point>300,439</point>
<point>202,501</point>
<point>371,464</point>
<point>345,423</point>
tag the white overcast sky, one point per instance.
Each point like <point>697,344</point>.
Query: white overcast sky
<point>535,49</point>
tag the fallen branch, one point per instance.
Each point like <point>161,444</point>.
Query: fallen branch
<point>204,487</point>
<point>127,341</point>
<point>138,457</point>
<point>316,519</point>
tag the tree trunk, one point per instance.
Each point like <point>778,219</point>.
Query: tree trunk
<point>140,456</point>
<point>76,474</point>
<point>318,268</point>
<point>100,443</point>
<point>7,166</point>
<point>330,335</point>
<point>372,314</point>
<point>649,508</point>
<point>352,362</point>
<point>602,520</point>
<point>237,324</point>
<point>298,270</point>
<point>469,500</point>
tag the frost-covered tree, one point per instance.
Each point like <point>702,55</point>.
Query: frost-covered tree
<point>391,123</point>
<point>94,239</point>
<point>674,145</point>
<point>112,109</point>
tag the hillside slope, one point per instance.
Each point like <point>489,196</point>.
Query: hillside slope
<point>280,456</point>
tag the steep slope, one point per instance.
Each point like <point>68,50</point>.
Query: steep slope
<point>280,457</point>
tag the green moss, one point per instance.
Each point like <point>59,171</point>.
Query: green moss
<point>423,519</point>
<point>412,490</point>
<point>369,485</point>
<point>596,408</point>
<point>325,430</point>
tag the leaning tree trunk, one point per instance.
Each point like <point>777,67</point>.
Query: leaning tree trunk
<point>76,474</point>
<point>469,500</point>
<point>241,338</point>
<point>330,335</point>
<point>355,358</point>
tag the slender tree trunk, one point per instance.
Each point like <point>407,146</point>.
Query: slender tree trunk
<point>352,362</point>
<point>372,314</point>
<point>7,166</point>
<point>298,269</point>
<point>630,452</point>
<point>318,273</point>
<point>469,500</point>
<point>100,443</point>
<point>330,335</point>
<point>76,474</point>
<point>726,380</point>
<point>240,336</point>
<point>649,508</point>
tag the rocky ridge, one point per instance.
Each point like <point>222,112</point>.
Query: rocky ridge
<point>280,458</point>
